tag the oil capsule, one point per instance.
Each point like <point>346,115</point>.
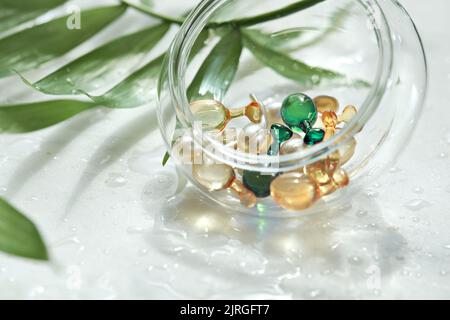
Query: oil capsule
<point>326,104</point>
<point>294,191</point>
<point>213,115</point>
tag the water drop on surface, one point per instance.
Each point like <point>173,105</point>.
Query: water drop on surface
<point>417,204</point>
<point>315,293</point>
<point>447,138</point>
<point>418,190</point>
<point>355,260</point>
<point>116,180</point>
<point>394,170</point>
<point>362,213</point>
<point>315,79</point>
<point>161,187</point>
<point>105,160</point>
<point>372,193</point>
<point>143,252</point>
<point>135,230</point>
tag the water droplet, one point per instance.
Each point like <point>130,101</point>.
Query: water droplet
<point>69,81</point>
<point>394,170</point>
<point>116,180</point>
<point>315,293</point>
<point>334,246</point>
<point>355,260</point>
<point>135,230</point>
<point>362,213</point>
<point>315,79</point>
<point>36,291</point>
<point>447,246</point>
<point>417,204</point>
<point>447,138</point>
<point>443,273</point>
<point>418,190</point>
<point>443,155</point>
<point>161,187</point>
<point>105,160</point>
<point>143,252</point>
<point>372,193</point>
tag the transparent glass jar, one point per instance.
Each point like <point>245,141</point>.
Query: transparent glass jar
<point>371,40</point>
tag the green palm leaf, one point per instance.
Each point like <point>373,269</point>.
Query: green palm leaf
<point>39,115</point>
<point>102,66</point>
<point>136,90</point>
<point>18,235</point>
<point>32,47</point>
<point>140,88</point>
<point>15,12</point>
<point>218,70</point>
<point>305,75</point>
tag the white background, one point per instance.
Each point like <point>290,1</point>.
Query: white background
<point>95,188</point>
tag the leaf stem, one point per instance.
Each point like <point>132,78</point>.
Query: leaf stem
<point>272,15</point>
<point>148,11</point>
<point>244,22</point>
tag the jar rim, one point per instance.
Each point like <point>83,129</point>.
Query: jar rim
<point>177,65</point>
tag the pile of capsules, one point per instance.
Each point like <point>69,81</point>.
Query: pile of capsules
<point>284,130</point>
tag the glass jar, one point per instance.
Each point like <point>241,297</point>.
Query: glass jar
<point>374,43</point>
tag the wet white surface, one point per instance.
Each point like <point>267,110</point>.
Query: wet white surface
<point>97,191</point>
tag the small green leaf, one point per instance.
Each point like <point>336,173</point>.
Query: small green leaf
<point>102,66</point>
<point>18,235</point>
<point>166,158</point>
<point>290,68</point>
<point>15,12</point>
<point>218,70</point>
<point>35,116</point>
<point>32,47</point>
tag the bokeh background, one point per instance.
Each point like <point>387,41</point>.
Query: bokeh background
<point>95,187</point>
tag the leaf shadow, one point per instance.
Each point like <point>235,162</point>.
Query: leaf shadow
<point>111,150</point>
<point>54,144</point>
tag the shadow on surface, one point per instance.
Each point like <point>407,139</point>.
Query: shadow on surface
<point>111,150</point>
<point>54,144</point>
<point>352,249</point>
